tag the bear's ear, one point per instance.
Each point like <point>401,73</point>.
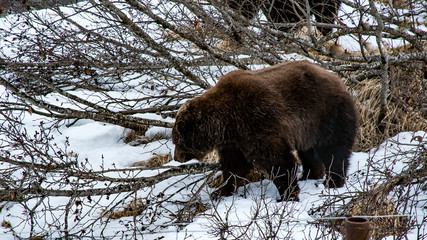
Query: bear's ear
<point>193,110</point>
<point>181,127</point>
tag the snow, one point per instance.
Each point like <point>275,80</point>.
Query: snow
<point>254,205</point>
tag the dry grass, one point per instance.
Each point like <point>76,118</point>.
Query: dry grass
<point>229,45</point>
<point>136,138</point>
<point>155,161</point>
<point>134,208</point>
<point>406,110</point>
<point>190,211</point>
<point>133,135</point>
<point>38,237</point>
<point>6,224</point>
<point>395,3</point>
<point>380,226</point>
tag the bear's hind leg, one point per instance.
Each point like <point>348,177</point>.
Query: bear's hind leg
<point>312,164</point>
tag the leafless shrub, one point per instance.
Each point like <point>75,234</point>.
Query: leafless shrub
<point>133,63</point>
<point>262,222</point>
<point>39,172</point>
<point>388,198</point>
<point>54,54</point>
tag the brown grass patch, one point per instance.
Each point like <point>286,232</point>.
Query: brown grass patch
<point>407,110</point>
<point>133,135</point>
<point>155,161</point>
<point>229,44</point>
<point>38,237</point>
<point>6,224</point>
<point>395,3</point>
<point>190,211</point>
<point>136,138</point>
<point>134,208</point>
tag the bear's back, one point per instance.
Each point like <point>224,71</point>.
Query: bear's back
<point>299,75</point>
<point>301,84</point>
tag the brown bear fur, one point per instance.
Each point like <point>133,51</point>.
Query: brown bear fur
<point>288,11</point>
<point>256,119</point>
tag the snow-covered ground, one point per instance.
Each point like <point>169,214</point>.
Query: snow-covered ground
<point>252,213</point>
<point>252,209</point>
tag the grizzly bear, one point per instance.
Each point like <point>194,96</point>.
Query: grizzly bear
<point>257,119</point>
<point>289,11</point>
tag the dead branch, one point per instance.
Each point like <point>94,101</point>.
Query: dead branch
<point>113,184</point>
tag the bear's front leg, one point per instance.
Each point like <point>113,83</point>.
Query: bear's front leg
<point>229,184</point>
<point>234,168</point>
<point>287,184</point>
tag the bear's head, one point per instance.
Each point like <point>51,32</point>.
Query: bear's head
<point>194,130</point>
<point>182,156</point>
